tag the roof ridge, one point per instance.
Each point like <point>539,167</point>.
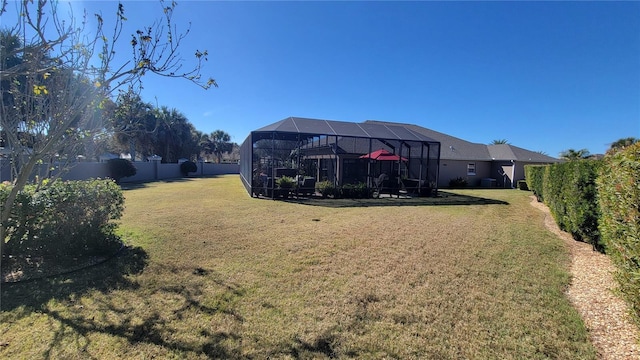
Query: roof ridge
<point>363,129</point>
<point>330,127</point>
<point>293,121</point>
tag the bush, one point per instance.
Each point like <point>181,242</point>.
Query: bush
<point>580,197</point>
<point>458,183</point>
<point>553,181</point>
<point>326,188</point>
<point>599,202</point>
<point>120,168</point>
<point>522,185</point>
<point>361,191</point>
<point>570,193</point>
<point>535,179</point>
<point>356,191</point>
<point>618,187</point>
<point>285,182</point>
<point>70,218</point>
<point>188,167</point>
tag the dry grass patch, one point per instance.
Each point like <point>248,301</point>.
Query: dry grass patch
<point>220,274</point>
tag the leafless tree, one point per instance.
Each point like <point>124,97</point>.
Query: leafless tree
<point>57,73</point>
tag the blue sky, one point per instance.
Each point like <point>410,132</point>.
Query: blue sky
<point>547,76</point>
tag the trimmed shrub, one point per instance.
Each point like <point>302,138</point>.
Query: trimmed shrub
<point>361,191</point>
<point>326,188</point>
<point>356,191</point>
<point>580,198</point>
<point>553,181</point>
<point>619,199</point>
<point>120,168</point>
<point>522,185</point>
<point>348,191</point>
<point>71,218</point>
<point>188,167</point>
<point>458,183</point>
<point>570,193</point>
<point>535,179</point>
<point>285,182</point>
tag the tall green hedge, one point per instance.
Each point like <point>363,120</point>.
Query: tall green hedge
<point>599,202</point>
<point>534,175</point>
<point>569,190</point>
<point>553,183</point>
<point>580,195</point>
<point>619,200</point>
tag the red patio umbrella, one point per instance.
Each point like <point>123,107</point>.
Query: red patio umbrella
<point>383,155</point>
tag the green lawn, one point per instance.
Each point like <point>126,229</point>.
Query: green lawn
<point>213,273</point>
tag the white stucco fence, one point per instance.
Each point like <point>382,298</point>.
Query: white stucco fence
<point>146,171</point>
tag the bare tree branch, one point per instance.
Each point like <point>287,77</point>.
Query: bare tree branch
<point>56,74</point>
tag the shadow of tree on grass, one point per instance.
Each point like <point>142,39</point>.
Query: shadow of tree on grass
<point>105,276</point>
<point>155,309</point>
<point>135,185</point>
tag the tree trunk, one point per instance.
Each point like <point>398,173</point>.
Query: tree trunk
<point>132,148</point>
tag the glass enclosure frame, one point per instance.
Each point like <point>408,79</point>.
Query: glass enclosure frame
<point>311,151</point>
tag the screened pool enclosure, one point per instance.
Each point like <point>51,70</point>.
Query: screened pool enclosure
<point>381,157</point>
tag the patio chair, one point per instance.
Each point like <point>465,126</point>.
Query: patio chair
<point>379,183</point>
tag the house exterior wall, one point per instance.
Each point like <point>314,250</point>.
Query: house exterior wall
<point>502,171</point>
<point>505,173</point>
<point>451,169</point>
<point>519,172</point>
<point>512,172</point>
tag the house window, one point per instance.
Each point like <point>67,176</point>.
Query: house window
<point>471,168</point>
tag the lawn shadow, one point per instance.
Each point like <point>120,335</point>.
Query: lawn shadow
<point>134,185</point>
<point>443,198</point>
<point>105,276</point>
<point>118,314</point>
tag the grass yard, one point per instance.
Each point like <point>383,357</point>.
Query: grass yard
<point>213,273</point>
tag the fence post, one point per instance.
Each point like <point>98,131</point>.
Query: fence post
<point>156,160</point>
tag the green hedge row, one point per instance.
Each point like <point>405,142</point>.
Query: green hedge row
<point>569,189</point>
<point>347,191</point>
<point>599,203</point>
<point>70,218</point>
<point>535,175</point>
<point>619,201</point>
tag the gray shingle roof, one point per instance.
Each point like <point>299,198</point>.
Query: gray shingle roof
<point>510,152</point>
<point>453,148</point>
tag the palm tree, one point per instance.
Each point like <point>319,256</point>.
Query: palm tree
<point>217,143</point>
<point>622,143</point>
<point>133,122</point>
<point>573,154</point>
<point>175,136</point>
<point>500,142</point>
